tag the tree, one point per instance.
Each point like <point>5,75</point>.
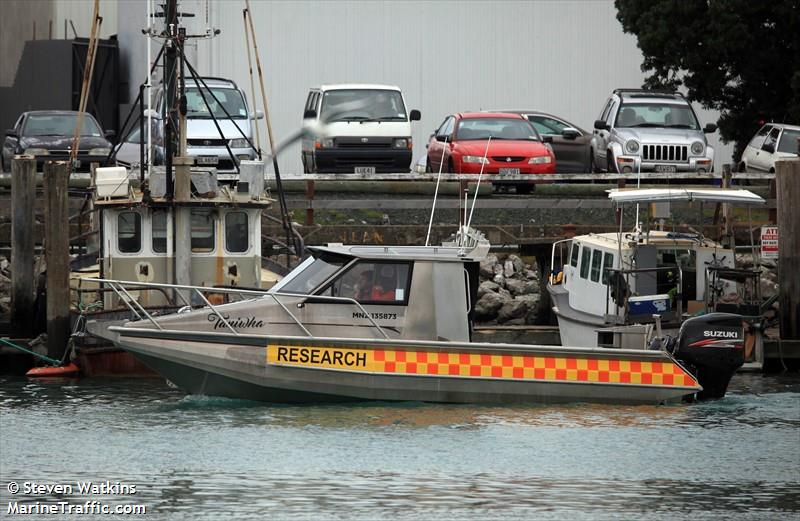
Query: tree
<point>740,57</point>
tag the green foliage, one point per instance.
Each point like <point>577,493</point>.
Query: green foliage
<point>740,57</point>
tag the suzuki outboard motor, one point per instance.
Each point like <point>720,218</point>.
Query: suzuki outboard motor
<point>712,348</point>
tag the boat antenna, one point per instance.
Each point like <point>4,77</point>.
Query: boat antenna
<point>435,194</point>
<point>478,186</point>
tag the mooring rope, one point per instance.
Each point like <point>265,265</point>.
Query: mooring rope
<point>47,359</point>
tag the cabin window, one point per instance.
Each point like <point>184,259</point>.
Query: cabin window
<point>608,265</point>
<point>586,255</point>
<point>597,259</point>
<point>314,274</point>
<point>202,231</point>
<point>236,233</point>
<point>159,227</point>
<point>373,282</point>
<point>129,232</point>
<point>576,247</point>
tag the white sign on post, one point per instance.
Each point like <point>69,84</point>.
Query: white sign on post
<point>769,242</point>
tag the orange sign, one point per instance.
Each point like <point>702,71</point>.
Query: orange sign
<point>478,365</point>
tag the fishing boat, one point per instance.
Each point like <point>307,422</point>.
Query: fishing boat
<point>355,323</point>
<point>174,224</point>
<point>619,289</point>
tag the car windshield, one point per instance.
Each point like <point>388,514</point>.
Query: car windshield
<point>363,105</point>
<point>227,99</point>
<point>497,128</point>
<point>313,275</point>
<point>666,115</point>
<point>788,142</point>
<point>59,125</point>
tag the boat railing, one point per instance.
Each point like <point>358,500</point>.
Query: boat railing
<point>619,282</point>
<point>120,287</point>
<point>748,301</point>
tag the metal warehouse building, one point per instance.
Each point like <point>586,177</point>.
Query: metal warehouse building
<point>563,57</point>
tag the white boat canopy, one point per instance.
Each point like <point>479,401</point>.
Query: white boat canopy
<point>712,195</point>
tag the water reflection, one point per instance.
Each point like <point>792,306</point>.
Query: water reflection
<point>206,458</point>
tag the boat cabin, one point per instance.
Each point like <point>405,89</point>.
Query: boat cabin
<point>138,243</point>
<point>398,292</point>
<point>663,273</point>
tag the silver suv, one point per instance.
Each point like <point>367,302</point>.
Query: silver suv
<point>650,131</point>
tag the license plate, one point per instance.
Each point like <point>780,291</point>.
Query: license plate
<point>207,160</point>
<point>666,169</point>
<point>509,171</point>
<point>365,170</point>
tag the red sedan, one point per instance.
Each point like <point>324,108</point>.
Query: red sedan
<point>459,146</point>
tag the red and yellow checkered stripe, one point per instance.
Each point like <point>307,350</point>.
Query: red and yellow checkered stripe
<point>479,365</point>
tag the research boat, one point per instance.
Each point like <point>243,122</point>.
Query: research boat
<point>355,323</point>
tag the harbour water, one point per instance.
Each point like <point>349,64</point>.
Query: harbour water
<point>209,458</point>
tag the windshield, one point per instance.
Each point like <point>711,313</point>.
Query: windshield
<point>59,125</point>
<point>666,115</point>
<point>363,105</point>
<point>230,99</point>
<point>497,128</point>
<point>313,275</point>
<point>788,142</point>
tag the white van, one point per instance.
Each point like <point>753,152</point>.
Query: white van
<point>367,129</point>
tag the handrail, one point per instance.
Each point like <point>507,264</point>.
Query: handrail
<point>200,289</point>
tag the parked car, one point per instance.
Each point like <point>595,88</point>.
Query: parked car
<point>571,144</point>
<point>127,151</point>
<point>366,130</point>
<point>774,141</point>
<point>650,131</point>
<point>48,135</point>
<point>459,145</point>
<point>203,139</point>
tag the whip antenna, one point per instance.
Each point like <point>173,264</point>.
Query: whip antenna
<point>435,193</point>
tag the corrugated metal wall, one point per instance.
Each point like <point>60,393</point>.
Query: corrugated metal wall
<point>563,57</point>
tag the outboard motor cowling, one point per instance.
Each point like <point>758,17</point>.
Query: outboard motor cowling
<point>712,347</point>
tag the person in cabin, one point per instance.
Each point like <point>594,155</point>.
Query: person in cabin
<point>364,286</point>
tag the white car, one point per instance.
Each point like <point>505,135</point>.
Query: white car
<point>774,141</point>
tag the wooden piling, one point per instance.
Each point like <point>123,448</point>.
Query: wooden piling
<point>787,177</point>
<point>23,223</point>
<point>56,177</point>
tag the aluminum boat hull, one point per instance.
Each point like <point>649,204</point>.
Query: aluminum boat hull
<point>298,370</point>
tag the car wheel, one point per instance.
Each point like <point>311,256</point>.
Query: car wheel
<point>742,167</point>
<point>428,168</point>
<point>592,164</point>
<point>525,188</point>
